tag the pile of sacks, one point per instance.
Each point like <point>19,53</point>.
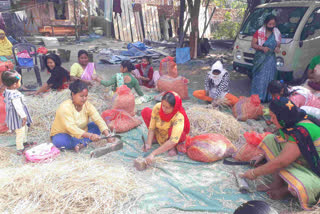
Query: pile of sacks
<point>170,80</point>
<point>121,117</point>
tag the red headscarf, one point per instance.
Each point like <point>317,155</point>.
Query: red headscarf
<point>177,108</point>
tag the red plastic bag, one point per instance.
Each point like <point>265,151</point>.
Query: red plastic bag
<point>250,149</point>
<point>207,147</point>
<point>119,120</point>
<point>124,100</point>
<point>42,50</point>
<point>248,108</point>
<point>3,125</point>
<point>178,85</point>
<point>168,67</point>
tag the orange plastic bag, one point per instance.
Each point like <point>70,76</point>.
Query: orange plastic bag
<point>3,125</point>
<point>178,85</point>
<point>119,120</point>
<point>5,66</point>
<point>168,67</point>
<point>250,149</point>
<point>124,100</point>
<point>248,108</point>
<point>207,147</point>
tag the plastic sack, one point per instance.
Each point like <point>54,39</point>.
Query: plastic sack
<point>26,62</point>
<point>5,66</point>
<point>168,67</point>
<point>119,120</point>
<point>248,108</point>
<point>313,111</point>
<point>42,50</point>
<point>124,99</point>
<point>3,125</point>
<point>207,147</point>
<point>250,149</point>
<point>42,153</point>
<point>178,85</point>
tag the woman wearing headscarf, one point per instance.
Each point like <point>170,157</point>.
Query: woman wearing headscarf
<point>266,41</point>
<point>59,76</point>
<point>168,124</point>
<point>5,46</point>
<point>293,157</point>
<point>216,85</point>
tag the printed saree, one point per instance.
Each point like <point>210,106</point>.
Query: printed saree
<point>264,70</point>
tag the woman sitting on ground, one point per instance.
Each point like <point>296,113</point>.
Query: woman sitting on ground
<point>84,70</point>
<point>168,124</point>
<point>123,78</point>
<point>216,86</point>
<point>71,128</point>
<point>59,76</point>
<point>293,157</point>
<point>145,74</point>
<point>300,96</point>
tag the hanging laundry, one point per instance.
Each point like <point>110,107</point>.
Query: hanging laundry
<point>117,6</point>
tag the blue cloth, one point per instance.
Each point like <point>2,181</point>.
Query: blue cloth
<point>66,141</point>
<point>264,70</point>
<point>182,55</point>
<point>139,45</point>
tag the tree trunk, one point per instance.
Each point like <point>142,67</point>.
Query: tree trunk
<point>181,20</point>
<point>75,5</point>
<point>194,35</point>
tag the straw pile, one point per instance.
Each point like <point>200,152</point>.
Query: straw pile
<point>68,185</point>
<point>5,156</point>
<point>207,120</point>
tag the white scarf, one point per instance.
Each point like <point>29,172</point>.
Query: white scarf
<point>262,35</point>
<point>217,78</point>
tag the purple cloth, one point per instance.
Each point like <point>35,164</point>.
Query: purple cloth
<point>117,6</point>
<point>2,23</point>
<point>314,85</point>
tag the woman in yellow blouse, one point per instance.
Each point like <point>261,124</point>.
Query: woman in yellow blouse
<point>84,70</point>
<point>168,123</point>
<point>71,128</point>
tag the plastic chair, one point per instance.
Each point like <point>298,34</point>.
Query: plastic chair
<point>32,51</point>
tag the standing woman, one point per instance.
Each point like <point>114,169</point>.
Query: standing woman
<point>71,128</point>
<point>168,124</point>
<point>266,41</point>
<point>84,69</point>
<point>145,74</point>
<point>59,76</point>
<point>5,47</point>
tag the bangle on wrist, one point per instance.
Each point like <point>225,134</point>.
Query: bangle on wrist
<point>252,173</point>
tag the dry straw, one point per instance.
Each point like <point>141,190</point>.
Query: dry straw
<point>5,157</point>
<point>71,184</point>
<point>207,120</point>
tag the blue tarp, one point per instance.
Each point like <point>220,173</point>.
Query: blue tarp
<point>182,55</point>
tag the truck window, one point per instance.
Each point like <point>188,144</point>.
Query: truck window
<point>288,19</point>
<point>311,29</point>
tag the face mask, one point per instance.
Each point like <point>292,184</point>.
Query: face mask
<point>270,28</point>
<point>144,64</point>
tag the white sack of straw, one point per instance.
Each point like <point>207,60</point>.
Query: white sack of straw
<point>67,185</point>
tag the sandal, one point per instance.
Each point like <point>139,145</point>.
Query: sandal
<point>28,144</point>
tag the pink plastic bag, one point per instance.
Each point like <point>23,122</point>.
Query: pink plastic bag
<point>3,125</point>
<point>42,153</point>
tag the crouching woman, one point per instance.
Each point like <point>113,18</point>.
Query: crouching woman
<point>71,128</point>
<point>293,157</point>
<point>168,124</point>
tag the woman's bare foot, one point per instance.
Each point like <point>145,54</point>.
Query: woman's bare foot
<point>172,152</point>
<point>278,194</point>
<point>78,147</point>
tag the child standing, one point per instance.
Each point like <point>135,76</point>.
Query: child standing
<point>17,114</point>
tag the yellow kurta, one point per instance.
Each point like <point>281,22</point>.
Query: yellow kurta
<point>77,70</point>
<point>5,46</point>
<point>69,121</point>
<point>161,128</point>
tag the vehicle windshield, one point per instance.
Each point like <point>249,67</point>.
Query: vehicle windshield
<point>288,19</point>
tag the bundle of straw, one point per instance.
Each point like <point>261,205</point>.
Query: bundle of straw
<point>68,185</point>
<point>207,120</point>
